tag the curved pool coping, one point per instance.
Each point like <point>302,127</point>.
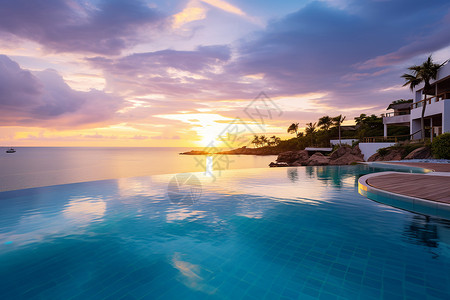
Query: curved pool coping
<point>389,166</point>
<point>408,203</point>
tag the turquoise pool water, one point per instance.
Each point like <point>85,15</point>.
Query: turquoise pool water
<point>283,233</point>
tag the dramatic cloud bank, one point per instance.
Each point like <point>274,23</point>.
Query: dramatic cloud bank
<point>68,26</point>
<point>169,67</point>
<point>44,99</point>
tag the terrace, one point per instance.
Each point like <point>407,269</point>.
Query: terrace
<point>400,116</point>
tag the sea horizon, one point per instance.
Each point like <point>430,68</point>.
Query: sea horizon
<point>33,167</point>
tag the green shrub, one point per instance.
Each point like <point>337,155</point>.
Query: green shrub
<point>440,146</point>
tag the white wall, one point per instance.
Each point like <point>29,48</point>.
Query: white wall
<point>441,107</point>
<point>446,116</point>
<point>413,128</point>
<point>343,141</point>
<point>396,119</point>
<point>369,149</point>
<point>432,109</point>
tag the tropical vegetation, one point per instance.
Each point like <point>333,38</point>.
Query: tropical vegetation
<point>440,146</point>
<point>263,141</point>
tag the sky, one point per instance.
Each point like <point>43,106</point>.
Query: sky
<point>182,73</point>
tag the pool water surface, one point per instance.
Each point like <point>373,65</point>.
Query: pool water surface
<point>282,233</point>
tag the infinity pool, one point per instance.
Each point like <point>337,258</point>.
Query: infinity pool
<point>283,233</point>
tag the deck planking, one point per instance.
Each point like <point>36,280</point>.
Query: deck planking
<point>429,187</point>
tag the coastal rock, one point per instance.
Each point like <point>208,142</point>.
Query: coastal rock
<point>277,164</point>
<point>252,151</point>
<point>195,152</point>
<point>346,156</point>
<point>339,152</point>
<point>357,151</point>
<point>293,156</point>
<point>318,159</point>
<point>374,157</point>
<point>346,159</point>
<point>420,153</point>
<point>392,154</point>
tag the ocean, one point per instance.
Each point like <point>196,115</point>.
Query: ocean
<point>43,166</point>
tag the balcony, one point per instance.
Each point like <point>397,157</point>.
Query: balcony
<point>430,100</point>
<point>397,117</point>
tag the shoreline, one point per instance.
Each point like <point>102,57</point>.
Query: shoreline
<point>264,151</point>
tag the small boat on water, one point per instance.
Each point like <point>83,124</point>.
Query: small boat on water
<point>10,150</point>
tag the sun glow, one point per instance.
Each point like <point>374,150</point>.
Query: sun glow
<point>208,127</point>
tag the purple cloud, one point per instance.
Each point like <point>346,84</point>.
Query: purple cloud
<point>44,99</point>
<point>71,26</point>
<point>176,74</point>
<point>319,48</point>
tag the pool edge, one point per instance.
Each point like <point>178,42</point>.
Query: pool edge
<point>408,203</point>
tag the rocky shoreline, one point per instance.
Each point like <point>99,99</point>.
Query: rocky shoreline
<point>341,156</point>
<point>344,155</point>
<point>239,151</point>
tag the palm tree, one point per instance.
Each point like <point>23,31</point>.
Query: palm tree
<point>293,129</point>
<point>360,120</point>
<point>274,140</point>
<point>277,141</point>
<point>256,141</point>
<point>310,129</point>
<point>263,140</point>
<point>325,123</point>
<point>423,74</point>
<point>337,122</point>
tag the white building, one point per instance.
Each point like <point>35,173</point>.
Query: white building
<point>437,111</point>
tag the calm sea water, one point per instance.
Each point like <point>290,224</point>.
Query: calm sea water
<point>33,166</point>
<point>271,233</point>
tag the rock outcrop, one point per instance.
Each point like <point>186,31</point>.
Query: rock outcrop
<point>340,152</point>
<point>420,153</point>
<point>239,151</point>
<point>357,151</point>
<point>299,157</point>
<point>253,151</point>
<point>277,164</point>
<point>342,156</point>
<point>346,156</point>
<point>392,154</point>
<point>195,152</point>
<point>318,159</point>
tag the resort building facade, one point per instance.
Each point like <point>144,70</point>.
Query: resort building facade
<point>437,110</point>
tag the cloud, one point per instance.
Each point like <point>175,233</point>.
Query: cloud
<point>160,137</point>
<point>194,11</point>
<point>72,26</point>
<point>427,43</point>
<point>176,74</point>
<point>139,137</point>
<point>223,5</point>
<point>43,99</point>
<point>320,47</point>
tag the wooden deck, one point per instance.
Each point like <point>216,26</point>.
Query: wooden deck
<point>429,187</point>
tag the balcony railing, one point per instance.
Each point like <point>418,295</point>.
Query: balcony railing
<point>430,100</point>
<point>387,139</point>
<point>397,113</point>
